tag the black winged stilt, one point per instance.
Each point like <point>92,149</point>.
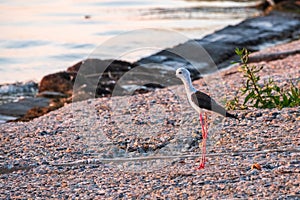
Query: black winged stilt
<point>199,101</point>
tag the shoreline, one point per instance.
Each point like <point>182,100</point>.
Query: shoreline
<point>58,87</point>
<point>157,123</point>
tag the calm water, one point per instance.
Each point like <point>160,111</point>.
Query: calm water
<point>39,37</point>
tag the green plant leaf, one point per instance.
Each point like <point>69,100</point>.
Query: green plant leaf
<point>249,96</point>
<point>276,99</point>
<point>276,88</point>
<point>238,51</point>
<point>256,103</point>
<point>295,92</point>
<point>286,101</point>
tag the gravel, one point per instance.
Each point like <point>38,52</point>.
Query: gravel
<point>147,147</point>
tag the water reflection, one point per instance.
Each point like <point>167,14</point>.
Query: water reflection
<point>42,37</point>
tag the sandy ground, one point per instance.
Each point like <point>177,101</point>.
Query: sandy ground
<point>147,146</point>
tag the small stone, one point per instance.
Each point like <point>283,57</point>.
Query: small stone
<point>43,133</point>
<point>64,184</point>
<point>256,166</point>
<point>68,150</point>
<point>253,172</point>
<point>259,114</point>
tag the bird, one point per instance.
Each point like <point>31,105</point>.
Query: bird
<point>200,101</point>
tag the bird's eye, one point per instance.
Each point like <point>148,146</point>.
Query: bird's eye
<point>179,72</point>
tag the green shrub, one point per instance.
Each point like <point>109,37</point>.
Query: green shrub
<point>267,95</point>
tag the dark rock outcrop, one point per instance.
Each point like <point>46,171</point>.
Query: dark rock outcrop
<point>97,78</point>
<point>282,5</point>
<point>253,33</point>
<point>58,82</point>
<point>20,108</point>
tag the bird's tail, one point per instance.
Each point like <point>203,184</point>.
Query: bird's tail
<point>231,115</point>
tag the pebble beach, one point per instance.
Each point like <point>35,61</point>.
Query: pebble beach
<point>148,146</point>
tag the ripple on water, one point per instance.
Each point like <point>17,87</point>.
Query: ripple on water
<point>19,44</point>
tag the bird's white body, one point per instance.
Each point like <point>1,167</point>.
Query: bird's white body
<point>196,107</point>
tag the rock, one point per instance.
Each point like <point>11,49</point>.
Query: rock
<point>287,6</point>
<point>58,82</point>
<point>91,66</point>
<point>258,114</point>
<point>5,118</point>
<point>83,77</point>
<point>256,166</point>
<point>49,94</point>
<point>97,78</point>
<point>253,34</point>
<point>253,172</point>
<point>30,108</point>
<point>16,88</point>
<point>20,108</point>
<point>37,112</point>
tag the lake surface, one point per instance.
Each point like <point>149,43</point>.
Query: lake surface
<point>39,37</point>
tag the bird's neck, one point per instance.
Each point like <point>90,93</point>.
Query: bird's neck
<point>188,85</point>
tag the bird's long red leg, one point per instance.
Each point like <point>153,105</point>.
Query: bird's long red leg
<point>206,125</point>
<point>204,137</point>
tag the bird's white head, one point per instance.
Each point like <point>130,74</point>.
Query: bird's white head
<point>183,73</point>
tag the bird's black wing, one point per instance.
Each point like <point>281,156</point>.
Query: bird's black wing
<point>204,101</point>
